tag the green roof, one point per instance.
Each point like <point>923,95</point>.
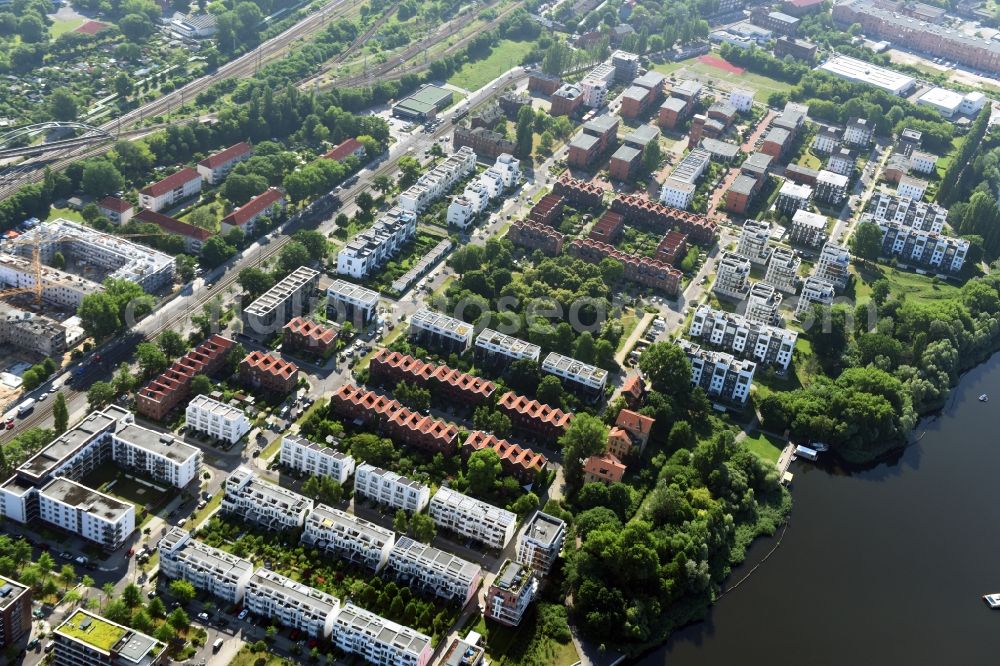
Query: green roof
<point>428,98</point>
<point>92,630</point>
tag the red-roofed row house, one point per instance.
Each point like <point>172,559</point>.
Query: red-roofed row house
<point>158,397</point>
<point>260,370</point>
<point>178,186</point>
<point>389,367</point>
<point>542,421</point>
<point>639,269</point>
<point>579,191</point>
<point>302,334</point>
<point>642,211</point>
<point>348,148</point>
<point>194,237</point>
<point>244,217</point>
<point>517,461</point>
<point>536,236</point>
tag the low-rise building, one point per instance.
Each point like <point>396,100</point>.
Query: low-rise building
<point>673,112</point>
<point>390,489</point>
<point>741,193</point>
<point>217,166</point>
<point>427,568</point>
<point>783,270</point>
<point>579,376</point>
<point>603,468</point>
<point>442,331</point>
<point>741,99</point>
<point>291,603</point>
<point>352,303</point>
<point>922,162</point>
<point>536,236</point>
<point>793,197</point>
<point>540,542</point>
<point>395,421</point>
<point>755,241</point>
<point>464,652</point>
<point>216,419</point>
<point>118,211</point>
<point>539,420</point>
<point>221,574</point>
<point>347,148</point>
<point>473,519</point>
<point>815,290</point>
<point>925,248</point>
<point>305,335</point>
<point>808,228</point>
<point>484,142</point>
<point>86,639</point>
<point>629,433</point>
<point>565,100</point>
<point>640,269</point>
<point>257,501</point>
<point>733,333</point>
<point>677,193</point>
<point>32,332</point>
<point>510,594</point>
<point>173,189</point>
<point>269,203</point>
<point>289,298</point>
<point>270,373</point>
<point>299,454</point>
<point>379,641</point>
<point>636,100</point>
<point>161,395</point>
<point>776,142</point>
<point>504,349</point>
<point>731,277</point>
<point>834,264</point>
<point>194,237</point>
<point>719,374</point>
<point>521,463</point>
<point>912,188</point>
<point>802,49</point>
<point>624,163</point>
<point>435,183</point>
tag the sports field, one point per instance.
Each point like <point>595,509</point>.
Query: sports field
<point>712,68</point>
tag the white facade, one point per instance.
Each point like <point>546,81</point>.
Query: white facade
<point>677,193</point>
<point>435,183</point>
<point>858,132</point>
<point>96,517</point>
<point>719,374</point>
<point>291,604</point>
<point>766,344</point>
<point>922,162</point>
<point>300,454</point>
<point>763,303</point>
<point>541,540</point>
<point>503,175</point>
<point>277,306</point>
<point>913,213</point>
<point>391,489</point>
<point>741,98</point>
<point>913,188</point>
<point>595,92</point>
<point>492,343</point>
<point>352,538</point>
<point>754,241</point>
<point>972,103</point>
<point>443,574</point>
<point>219,573</point>
<point>374,246</point>
<point>731,276</point>
<point>158,455</point>
<point>181,187</point>
<point>827,140</point>
<point>379,641</point>
<point>491,526</point>
<point>814,290</point>
<point>221,421</point>
<point>833,265</point>
<point>349,302</point>
<point>588,377</point>
<point>783,270</point>
<point>448,331</point>
<point>268,505</point>
<point>924,247</point>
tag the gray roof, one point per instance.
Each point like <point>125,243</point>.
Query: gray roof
<point>601,124</point>
<point>584,141</point>
<point>724,148</point>
<point>160,443</point>
<point>744,184</point>
<point>651,79</point>
<point>87,500</point>
<point>674,104</point>
<point>642,135</point>
<point>626,154</point>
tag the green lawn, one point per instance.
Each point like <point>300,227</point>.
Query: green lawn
<point>100,634</point>
<point>507,54</point>
<point>66,214</point>
<point>507,646</point>
<point>904,284</point>
<point>765,446</point>
<point>245,657</point>
<point>61,26</point>
<point>762,84</point>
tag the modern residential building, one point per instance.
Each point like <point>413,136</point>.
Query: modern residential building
<point>814,290</point>
<point>257,501</point>
<point>741,193</point>
<point>922,162</point>
<point>911,188</point>
<point>741,99</point>
<point>291,603</point>
<point>379,641</point>
<point>96,517</point>
<point>719,374</point>
<point>859,132</point>
<point>217,166</point>
<point>391,489</point>
<point>808,228</point>
<point>221,574</point>
<point>833,265</point>
<point>161,395</point>
<point>827,140</point>
<point>763,302</point>
<point>492,346</point>
<point>624,163</point>
<point>434,328</point>
<point>842,160</point>
<point>783,270</point>
<point>521,463</point>
<point>579,376</point>
<point>266,204</point>
<point>473,519</point>
<point>349,302</point>
<point>540,542</point>
<point>374,246</point>
<point>301,455</point>
<point>465,652</point>
<point>676,193</point>
<point>15,612</point>
<point>87,639</point>
<point>920,215</point>
<point>768,345</point>
<point>925,248</point>
<point>566,100</point>
<point>754,243</point>
<point>269,313</point>
<point>731,276</point>
<point>173,189</point>
<point>510,594</point>
<point>155,455</point>
<point>626,65</point>
<point>776,142</point>
<point>32,332</point>
<point>831,188</point>
<point>270,373</point>
<point>356,540</point>
<point>435,183</point>
<point>539,420</point>
<point>427,568</point>
<point>792,197</point>
<point>860,71</point>
<point>216,419</point>
<point>673,111</point>
<point>490,184</point>
<point>305,335</point>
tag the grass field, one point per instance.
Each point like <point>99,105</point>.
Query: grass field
<point>66,214</point>
<point>765,446</point>
<point>509,647</point>
<point>762,84</point>
<point>245,657</point>
<point>475,75</point>
<point>904,284</point>
<point>61,26</point>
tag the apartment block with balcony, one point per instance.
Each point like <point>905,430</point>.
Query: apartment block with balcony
<point>814,290</point>
<point>354,539</point>
<point>221,574</point>
<point>468,517</point>
<point>763,302</point>
<point>722,376</point>
<point>434,328</point>
<point>96,517</point>
<point>378,641</point>
<point>768,345</point>
<point>389,488</point>
<point>924,248</point>
<point>299,454</point>
<point>808,228</point>
<point>435,183</point>
<point>834,264</point>
<point>269,313</point>
<point>15,612</point>
<point>257,501</point>
<point>783,270</point>
<point>920,215</point>
<point>427,568</point>
<point>216,419</point>
<point>291,603</point>
<point>87,639</point>
<point>576,375</point>
<point>373,247</point>
<point>510,594</point>
<point>499,349</point>
<point>732,276</point>
<point>347,302</point>
<point>754,243</point>
<point>540,542</point>
<point>156,455</point>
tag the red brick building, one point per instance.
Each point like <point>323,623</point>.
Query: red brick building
<point>535,236</point>
<point>741,193</point>
<point>672,112</point>
<point>389,368</point>
<point>583,149</point>
<point>579,192</point>
<point>672,248</point>
<point>548,210</point>
<point>304,335</point>
<point>159,396</point>
<point>656,217</point>
<point>543,422</point>
<point>608,229</point>
<point>624,163</point>
<point>642,270</point>
<point>636,101</point>
<point>521,463</point>
<point>565,100</point>
<point>542,83</point>
<point>260,370</point>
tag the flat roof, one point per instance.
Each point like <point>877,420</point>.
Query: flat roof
<point>544,528</point>
<point>71,441</point>
<point>584,141</point>
<point>161,443</point>
<point>626,154</point>
<point>790,189</point>
<point>426,99</point>
<point>717,147</point>
<point>744,184</point>
<point>865,72</point>
<point>512,576</point>
<point>809,219</point>
<point>10,590</point>
<point>288,589</point>
<point>643,134</point>
<point>942,98</point>
<point>350,291</point>
<point>86,499</point>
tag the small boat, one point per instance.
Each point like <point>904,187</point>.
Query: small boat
<point>992,600</point>
<point>984,398</point>
<point>806,452</point>
<point>819,447</point>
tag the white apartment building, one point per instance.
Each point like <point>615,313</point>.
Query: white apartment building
<point>216,419</point>
<point>176,187</point>
<point>911,187</point>
<point>926,248</point>
<point>347,536</point>
<point>827,140</point>
<point>808,228</point>
<point>792,197</point>
<point>59,288</point>
<point>374,246</point>
<point>300,454</point>
<point>922,162</point>
<point>435,183</point>
<point>219,573</point>
<point>442,574</point>
<point>541,540</point>
<point>814,290</point>
<point>731,276</point>
<point>217,166</point>
<point>834,264</point>
<point>884,207</point>
<point>595,85</point>
<point>754,241</point>
<point>98,518</point>
<point>158,455</point>
<point>677,193</point>
<point>291,604</point>
<point>491,344</point>
<point>379,641</point>
<point>741,99</point>
<point>510,593</point>
<point>783,270</point>
<point>720,375</point>
<point>350,302</point>
<point>831,188</point>
<point>858,132</point>
<point>580,376</point>
<point>279,304</point>
<point>468,517</point>
<point>490,184</point>
<point>391,489</point>
<point>763,302</point>
<point>440,330</point>
<point>257,501</point>
<point>765,344</point>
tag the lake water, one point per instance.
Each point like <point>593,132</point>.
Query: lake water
<point>884,566</point>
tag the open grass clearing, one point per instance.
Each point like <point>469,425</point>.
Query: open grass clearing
<point>765,446</point>
<point>506,54</point>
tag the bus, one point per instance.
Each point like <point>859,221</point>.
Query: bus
<point>25,407</point>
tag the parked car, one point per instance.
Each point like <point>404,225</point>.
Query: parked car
<point>243,614</point>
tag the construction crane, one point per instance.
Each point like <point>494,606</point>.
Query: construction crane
<point>37,268</point>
